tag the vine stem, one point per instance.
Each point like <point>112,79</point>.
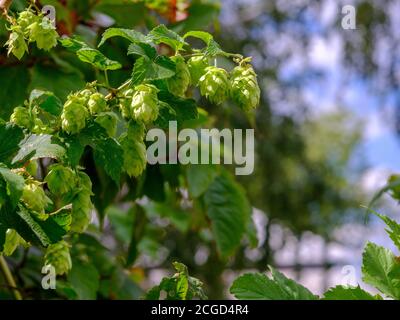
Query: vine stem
<point>9,278</point>
<point>121,87</point>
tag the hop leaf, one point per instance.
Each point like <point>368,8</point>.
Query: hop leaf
<point>179,83</point>
<point>97,103</point>
<point>57,255</point>
<point>135,158</point>
<point>82,204</point>
<point>22,118</point>
<point>244,87</point>
<point>144,105</point>
<point>44,34</point>
<point>74,114</point>
<point>214,85</point>
<point>60,179</point>
<point>16,42</point>
<point>108,120</point>
<point>13,240</point>
<point>34,197</point>
<point>136,130</point>
<point>197,67</point>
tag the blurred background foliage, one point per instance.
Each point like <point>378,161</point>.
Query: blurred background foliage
<point>308,167</point>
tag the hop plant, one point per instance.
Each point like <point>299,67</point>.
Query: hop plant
<point>57,255</point>
<point>179,83</point>
<point>97,103</point>
<point>108,120</point>
<point>25,19</point>
<point>214,84</point>
<point>144,105</point>
<point>82,204</point>
<point>244,87</point>
<point>22,117</point>
<point>16,42</point>
<point>60,180</point>
<point>160,5</point>
<point>197,67</point>
<point>135,158</point>
<point>136,130</point>
<point>74,114</point>
<point>34,197</point>
<point>43,33</point>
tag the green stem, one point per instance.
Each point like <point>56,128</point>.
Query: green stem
<point>106,77</point>
<point>120,88</point>
<point>9,278</point>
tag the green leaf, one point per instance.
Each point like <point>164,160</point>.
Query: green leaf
<point>143,49</point>
<point>229,211</point>
<point>47,101</point>
<point>257,286</point>
<point>10,138</point>
<point>84,279</point>
<point>393,229</point>
<point>379,264</point>
<point>199,178</point>
<point>14,185</point>
<point>161,34</point>
<point>131,35</point>
<point>14,82</point>
<point>109,154</point>
<point>348,293</point>
<point>39,146</point>
<point>146,69</point>
<point>183,109</point>
<point>212,48</point>
<point>97,59</point>
<point>90,55</point>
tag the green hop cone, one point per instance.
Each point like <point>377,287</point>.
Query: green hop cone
<point>32,167</point>
<point>74,114</point>
<point>108,120</point>
<point>135,158</point>
<point>179,83</point>
<point>43,33</point>
<point>34,197</point>
<point>25,19</point>
<point>21,117</point>
<point>197,67</point>
<point>97,103</point>
<point>125,103</point>
<point>82,204</point>
<point>136,130</point>
<point>16,42</point>
<point>57,255</point>
<point>144,105</point>
<point>60,180</point>
<point>244,87</point>
<point>214,85</point>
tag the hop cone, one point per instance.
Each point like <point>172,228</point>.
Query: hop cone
<point>144,105</point>
<point>97,103</point>
<point>214,85</point>
<point>108,120</point>
<point>136,130</point>
<point>34,197</point>
<point>25,19</point>
<point>125,104</point>
<point>60,179</point>
<point>82,205</point>
<point>57,255</point>
<point>21,117</point>
<point>179,83</point>
<point>244,87</point>
<point>197,67</point>
<point>135,158</point>
<point>74,114</point>
<point>16,42</point>
<point>44,34</point>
